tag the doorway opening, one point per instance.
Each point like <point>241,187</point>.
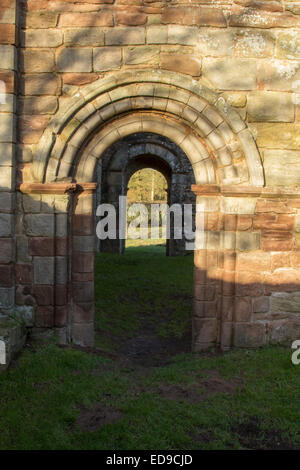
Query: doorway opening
<point>147,196</point>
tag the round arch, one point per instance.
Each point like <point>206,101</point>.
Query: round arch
<point>211,133</point>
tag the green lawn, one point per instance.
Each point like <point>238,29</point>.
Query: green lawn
<point>64,398</point>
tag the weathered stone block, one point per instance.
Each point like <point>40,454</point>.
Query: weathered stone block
<point>288,45</point>
<point>37,61</point>
<point>261,304</point>
<point>39,225</point>
<point>124,36</point>
<point>41,38</point>
<point>181,63</point>
<point>73,59</point>
<point>252,43</point>
<point>230,73</point>
<point>157,34</point>
<point>271,107</point>
<point>8,57</point>
<point>107,59</point>
<point>278,135</point>
<point>93,19</point>
<point>40,84</point>
<point>7,297</point>
<point>141,55</point>
<point>6,224</point>
<point>7,180</point>
<point>43,270</point>
<point>285,302</point>
<point>7,129</point>
<point>185,35</point>
<point>13,335</point>
<point>216,43</point>
<point>41,19</point>
<point>282,167</point>
<point>278,75</point>
<point>84,37</point>
<point>83,334</point>
<point>249,335</point>
<point>39,104</point>
<point>238,205</point>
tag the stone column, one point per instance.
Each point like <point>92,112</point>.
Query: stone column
<point>8,68</point>
<point>82,306</point>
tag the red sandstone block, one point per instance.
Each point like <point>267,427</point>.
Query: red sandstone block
<point>263,220</point>
<point>82,277</point>
<point>294,258</point>
<point>61,246</point>
<point>200,16</point>
<point>204,292</point>
<point>205,309</point>
<point>243,309</point>
<point>200,259</point>
<point>227,308</point>
<point>276,235</point>
<point>7,34</point>
<point>230,222</point>
<point>249,335</point>
<point>200,276</point>
<point>279,207</point>
<point>282,260</point>
<point>6,250</point>
<point>244,222</point>
<point>274,222</point>
<point>45,317</point>
<point>228,284</point>
<point>79,79</point>
<point>269,244</point>
<point>205,330</point>
<point>31,128</point>
<point>83,225</point>
<point>261,304</point>
<point>229,261</point>
<point>41,246</point>
<point>6,275</point>
<point>83,312</point>
<point>76,20</point>
<point>254,261</point>
<point>212,259</point>
<point>61,315</point>
<point>130,18</point>
<point>249,284</point>
<point>9,79</point>
<point>181,63</point>
<point>83,262</point>
<point>61,295</point>
<point>83,292</point>
<point>295,203</point>
<point>283,280</point>
<point>23,274</point>
<point>44,295</point>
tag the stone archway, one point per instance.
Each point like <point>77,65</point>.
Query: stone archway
<point>220,149</point>
<point>136,152</point>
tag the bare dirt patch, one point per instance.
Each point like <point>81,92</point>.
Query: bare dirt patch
<point>195,393</point>
<point>251,436</point>
<point>92,419</point>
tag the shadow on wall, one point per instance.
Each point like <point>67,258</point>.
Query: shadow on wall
<point>242,298</point>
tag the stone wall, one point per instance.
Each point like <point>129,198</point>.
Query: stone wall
<point>221,79</point>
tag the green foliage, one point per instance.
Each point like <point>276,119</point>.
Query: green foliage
<point>147,186</point>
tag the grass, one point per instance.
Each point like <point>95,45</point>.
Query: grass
<point>49,388</point>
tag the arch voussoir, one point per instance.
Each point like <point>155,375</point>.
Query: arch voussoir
<point>206,122</point>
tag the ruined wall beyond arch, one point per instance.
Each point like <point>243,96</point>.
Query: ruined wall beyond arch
<point>219,79</point>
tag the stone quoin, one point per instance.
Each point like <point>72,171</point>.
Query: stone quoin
<point>206,92</point>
